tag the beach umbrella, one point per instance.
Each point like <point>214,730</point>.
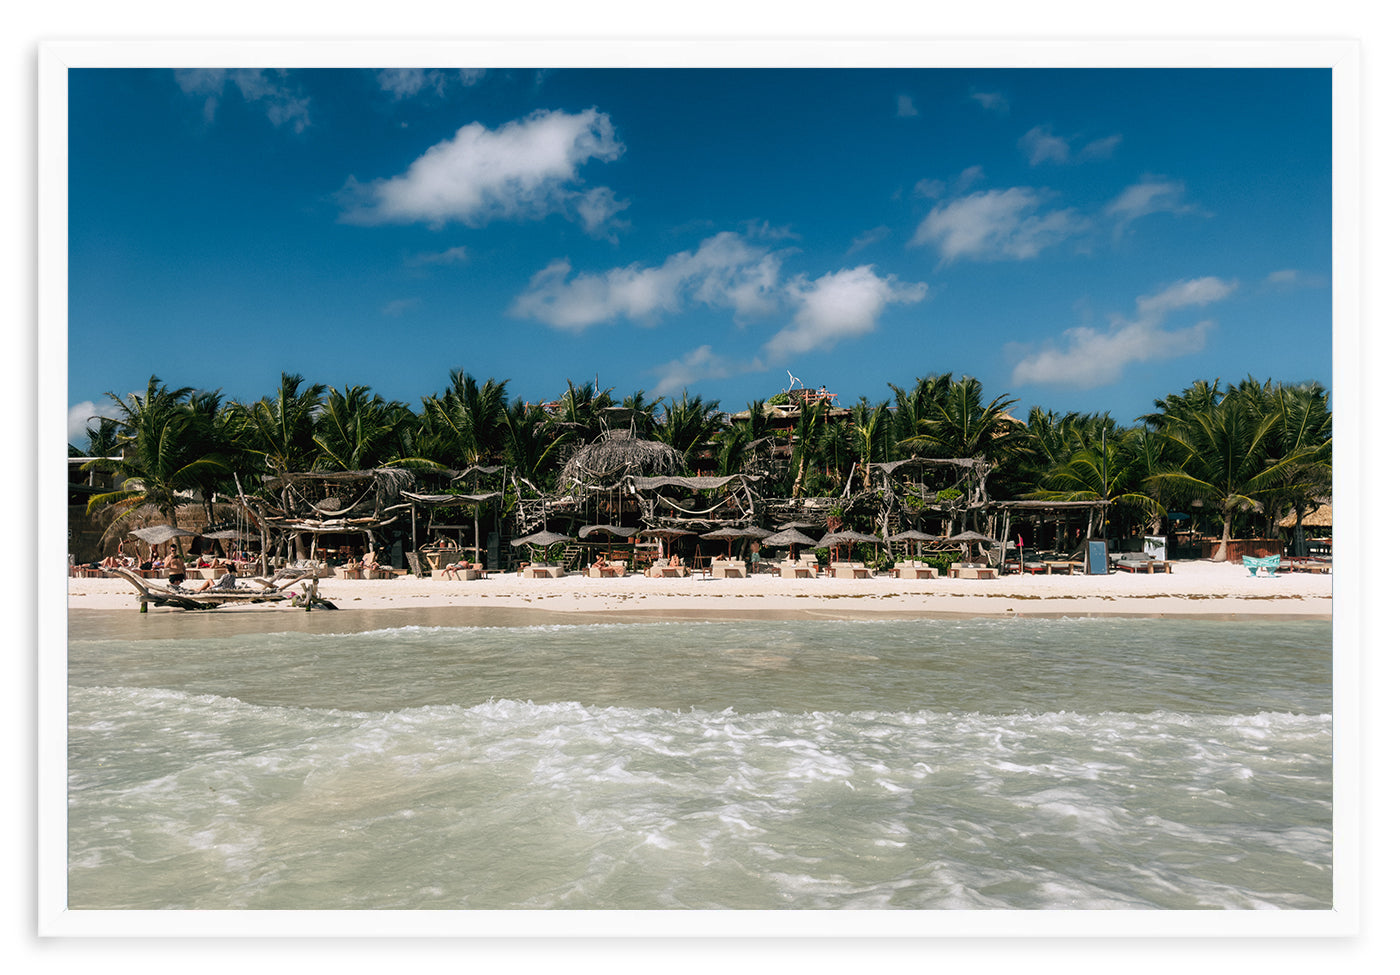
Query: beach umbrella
<point>915,536</point>
<point>609,530</point>
<point>790,537</point>
<point>798,524</point>
<point>837,539</point>
<point>728,534</point>
<point>663,534</point>
<point>545,538</point>
<point>160,534</point>
<point>154,535</point>
<point>588,530</point>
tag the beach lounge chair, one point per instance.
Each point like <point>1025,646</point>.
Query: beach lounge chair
<point>1269,564</point>
<point>729,568</point>
<point>913,570</point>
<point>850,570</point>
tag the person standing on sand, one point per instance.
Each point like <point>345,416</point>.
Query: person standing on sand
<point>177,570</point>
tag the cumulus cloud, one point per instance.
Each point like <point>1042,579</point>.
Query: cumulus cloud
<point>1091,357</point>
<point>1150,194</point>
<point>838,305</point>
<point>526,169</point>
<point>725,271</point>
<point>1009,224</point>
<point>83,415</point>
<point>267,89</point>
<point>904,107</point>
<point>992,101</point>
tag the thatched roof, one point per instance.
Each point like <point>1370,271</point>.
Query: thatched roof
<point>618,452</point>
<point>789,537</point>
<point>691,483</point>
<point>1321,518</point>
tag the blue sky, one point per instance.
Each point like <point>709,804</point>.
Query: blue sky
<point>1078,239</point>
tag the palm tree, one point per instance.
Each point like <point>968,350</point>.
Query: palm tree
<point>282,428</point>
<point>872,428</point>
<point>961,426</point>
<point>1103,471</point>
<point>914,405</point>
<point>1302,444</point>
<point>806,438</point>
<point>164,455</point>
<point>532,441</point>
<point>1226,458</point>
<point>641,414</point>
<point>358,430</point>
<point>468,420</point>
<point>687,424</point>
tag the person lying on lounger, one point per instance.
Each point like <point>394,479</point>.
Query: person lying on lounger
<point>226,581</point>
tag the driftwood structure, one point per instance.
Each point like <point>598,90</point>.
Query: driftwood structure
<point>269,591</point>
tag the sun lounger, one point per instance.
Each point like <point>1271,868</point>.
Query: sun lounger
<point>964,570</point>
<point>850,570</point>
<point>615,569</point>
<point>913,570</point>
<point>729,568</point>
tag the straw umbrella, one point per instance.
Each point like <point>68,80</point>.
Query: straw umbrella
<point>612,531</point>
<point>728,534</point>
<point>790,537</point>
<point>837,539</point>
<point>915,536</point>
<point>545,538</point>
<point>664,534</point>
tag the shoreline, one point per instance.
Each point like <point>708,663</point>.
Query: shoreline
<point>1192,590</point>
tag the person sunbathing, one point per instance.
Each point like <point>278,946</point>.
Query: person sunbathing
<point>451,571</point>
<point>226,581</point>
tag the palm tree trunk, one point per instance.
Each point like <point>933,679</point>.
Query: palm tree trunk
<point>1222,550</point>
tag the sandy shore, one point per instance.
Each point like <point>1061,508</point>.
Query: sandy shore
<point>1192,589</point>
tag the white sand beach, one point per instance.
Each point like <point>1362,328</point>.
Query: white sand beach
<point>1194,588</point>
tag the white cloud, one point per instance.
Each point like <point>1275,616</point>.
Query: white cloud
<point>991,101</point>
<point>83,415</point>
<point>453,255</point>
<point>930,189</point>
<point>1291,279</point>
<point>904,107</point>
<point>1096,357</point>
<point>397,307</point>
<point>404,83</point>
<point>872,236</point>
<point>1040,145</point>
<point>996,225</point>
<point>1150,194</point>
<point>526,169</point>
<point>838,305</point>
<point>697,365</point>
<point>725,271</point>
<point>1101,148</point>
<point>268,89</point>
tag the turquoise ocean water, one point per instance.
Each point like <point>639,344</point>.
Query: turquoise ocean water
<point>934,763</point>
